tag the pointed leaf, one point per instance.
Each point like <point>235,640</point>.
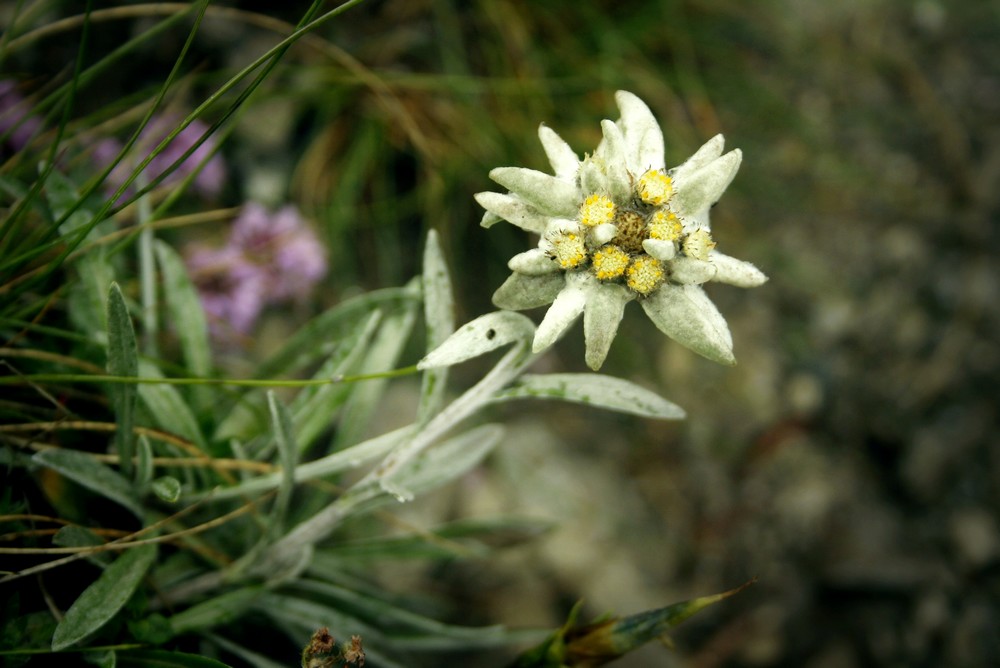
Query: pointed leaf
<point>104,597</point>
<point>549,194</point>
<point>563,159</point>
<point>596,390</point>
<point>513,209</point>
<point>736,272</point>
<point>565,309</point>
<point>601,316</point>
<point>439,317</point>
<point>167,489</point>
<point>521,291</point>
<point>281,424</point>
<point>90,473</point>
<point>186,312</point>
<point>688,316</point>
<point>702,188</point>
<point>643,136</point>
<point>478,337</point>
<point>123,360</point>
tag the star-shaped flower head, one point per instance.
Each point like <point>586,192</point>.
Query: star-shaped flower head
<point>619,226</point>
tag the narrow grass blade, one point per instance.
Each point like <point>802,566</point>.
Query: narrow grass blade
<point>186,312</point>
<point>281,423</point>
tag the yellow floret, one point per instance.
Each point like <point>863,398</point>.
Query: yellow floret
<point>655,187</point>
<point>698,244</point>
<point>597,210</point>
<point>665,225</point>
<point>568,249</point>
<point>610,262</point>
<point>645,274</point>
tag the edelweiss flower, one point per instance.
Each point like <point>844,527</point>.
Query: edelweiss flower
<point>617,226</point>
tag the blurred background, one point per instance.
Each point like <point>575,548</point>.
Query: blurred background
<point>850,460</point>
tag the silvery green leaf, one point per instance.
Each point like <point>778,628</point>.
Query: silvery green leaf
<point>565,309</point>
<point>186,312</point>
<point>703,187</point>
<point>480,336</point>
<point>288,451</point>
<point>736,272</point>
<point>708,152</point>
<point>166,488</point>
<point>563,159</point>
<point>592,389</point>
<point>168,408</point>
<point>643,136</point>
<point>444,462</point>
<point>661,249</point>
<point>104,597</point>
<point>521,291</point>
<point>216,611</point>
<point>123,360</point>
<point>593,178</point>
<point>613,155</point>
<point>439,319</point>
<point>95,476</point>
<point>315,339</point>
<point>513,209</point>
<point>73,535</point>
<point>601,315</point>
<point>687,315</point>
<point>144,469</point>
<point>382,355</point>
<point>489,218</point>
<point>602,234</point>
<point>548,193</point>
<point>332,464</point>
<point>314,409</point>
<point>534,262</point>
<point>692,271</point>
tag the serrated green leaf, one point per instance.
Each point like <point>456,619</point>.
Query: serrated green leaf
<point>166,489</point>
<point>592,389</point>
<point>123,360</point>
<point>186,312</point>
<point>104,597</point>
<point>90,473</point>
<point>439,316</point>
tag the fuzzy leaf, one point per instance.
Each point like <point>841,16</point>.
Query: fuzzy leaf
<point>439,317</point>
<point>596,390</point>
<point>548,193</point>
<point>563,159</point>
<point>688,316</point>
<point>643,136</point>
<point>702,188</point>
<point>90,473</point>
<point>478,337</point>
<point>521,291</point>
<point>104,597</point>
<point>123,360</point>
<point>186,312</point>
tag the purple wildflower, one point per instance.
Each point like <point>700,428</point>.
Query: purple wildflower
<point>208,182</point>
<point>282,246</point>
<point>230,287</point>
<point>17,124</point>
<point>268,258</point>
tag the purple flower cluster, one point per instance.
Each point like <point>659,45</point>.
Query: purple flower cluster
<point>208,182</point>
<point>17,124</point>
<point>268,258</point>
